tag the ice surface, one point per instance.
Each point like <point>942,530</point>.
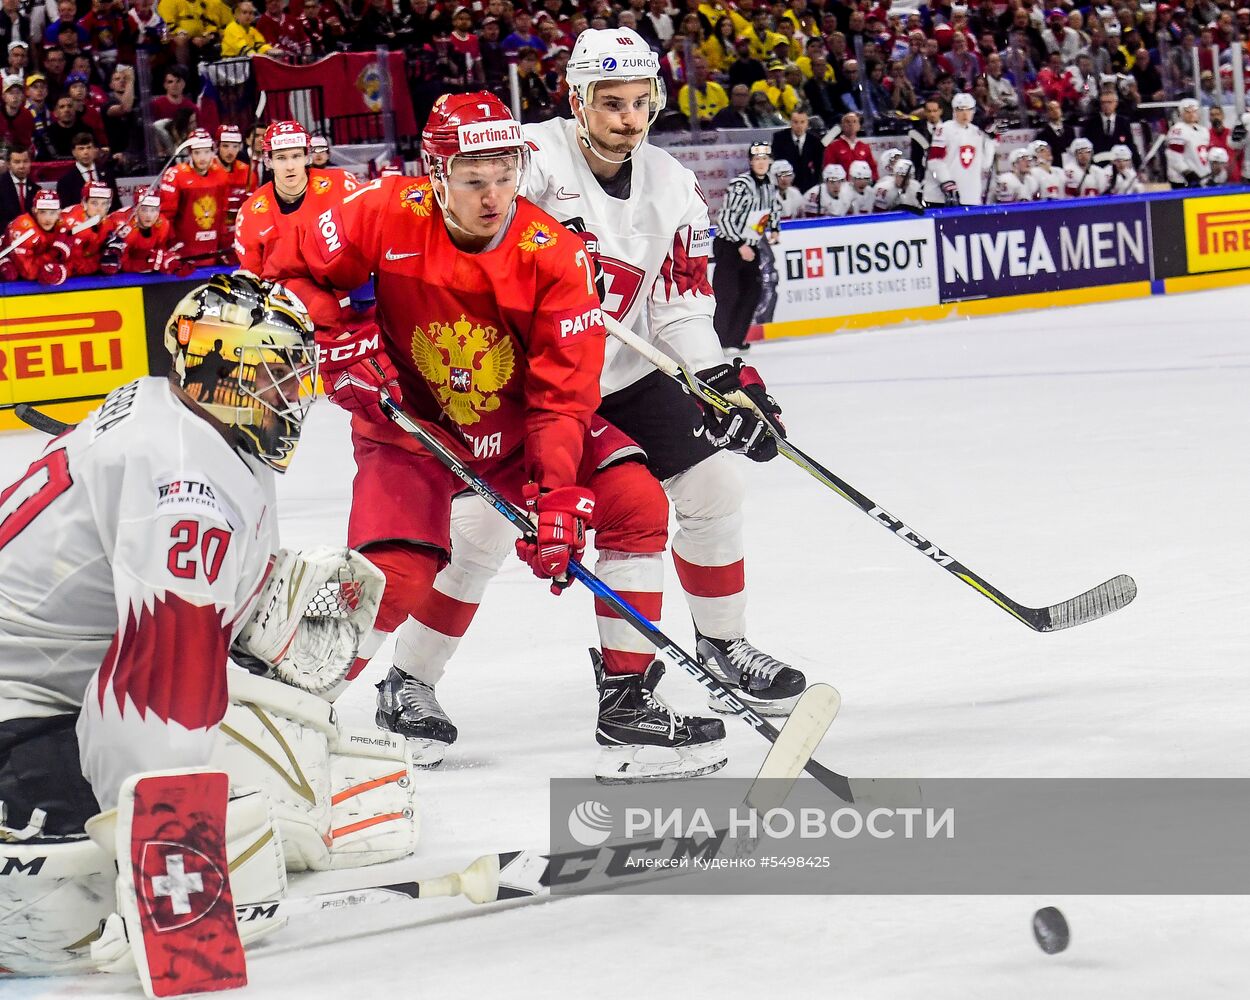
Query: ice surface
<point>1048,451</point>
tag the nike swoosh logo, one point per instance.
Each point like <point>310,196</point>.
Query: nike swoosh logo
<point>595,434</point>
<point>392,255</point>
<point>562,195</point>
<point>265,232</point>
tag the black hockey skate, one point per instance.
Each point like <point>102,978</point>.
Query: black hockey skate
<point>408,708</point>
<point>645,740</point>
<point>762,682</point>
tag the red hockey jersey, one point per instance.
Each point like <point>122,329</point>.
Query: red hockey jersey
<point>504,347</point>
<point>195,205</point>
<point>38,249</point>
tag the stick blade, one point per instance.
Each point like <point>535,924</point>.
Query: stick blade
<point>1099,602</point>
<point>790,753</point>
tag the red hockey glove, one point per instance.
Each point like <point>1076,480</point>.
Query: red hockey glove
<point>52,273</point>
<point>61,247</point>
<point>356,370</point>
<point>110,260</point>
<point>8,270</point>
<point>171,262</point>
<point>743,429</point>
<point>563,516</point>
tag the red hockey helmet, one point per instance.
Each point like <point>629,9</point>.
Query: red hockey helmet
<point>476,125</point>
<point>285,135</point>
<point>200,139</point>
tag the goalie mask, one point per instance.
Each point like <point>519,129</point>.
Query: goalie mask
<point>614,55</point>
<point>243,350</point>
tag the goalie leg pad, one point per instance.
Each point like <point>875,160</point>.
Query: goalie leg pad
<point>53,896</point>
<point>278,739</point>
<point>374,812</point>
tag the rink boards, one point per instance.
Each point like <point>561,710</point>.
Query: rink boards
<point>854,274</point>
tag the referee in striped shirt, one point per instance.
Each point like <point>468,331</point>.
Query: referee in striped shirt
<point>750,212</point>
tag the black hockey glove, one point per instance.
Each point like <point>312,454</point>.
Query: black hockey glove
<point>951,193</point>
<point>742,429</point>
<point>1239,133</point>
<point>1191,179</point>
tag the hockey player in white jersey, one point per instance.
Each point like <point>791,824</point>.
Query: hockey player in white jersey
<point>792,200</point>
<point>1124,179</point>
<point>961,157</point>
<point>858,194</point>
<point>1050,180</point>
<point>1083,178</point>
<point>140,552</point>
<point>1018,183</point>
<point>897,189</point>
<point>1187,146</point>
<point>1217,160</point>
<point>825,199</point>
<point>1238,141</point>
<point>646,220</point>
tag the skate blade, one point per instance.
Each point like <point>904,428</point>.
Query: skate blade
<point>426,754</point>
<point>774,708</point>
<point>632,765</point>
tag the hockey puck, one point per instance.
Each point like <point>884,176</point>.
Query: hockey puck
<point>1051,930</point>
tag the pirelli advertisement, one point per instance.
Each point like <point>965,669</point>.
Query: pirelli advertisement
<point>65,350</point>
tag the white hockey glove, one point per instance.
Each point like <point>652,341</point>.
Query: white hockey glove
<point>313,611</point>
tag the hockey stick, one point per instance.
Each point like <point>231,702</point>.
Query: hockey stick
<point>527,874</point>
<point>40,421</point>
<point>847,789</point>
<point>1102,600</point>
<point>29,234</point>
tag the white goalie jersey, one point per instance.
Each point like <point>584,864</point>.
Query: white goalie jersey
<point>134,547</point>
<point>653,247</point>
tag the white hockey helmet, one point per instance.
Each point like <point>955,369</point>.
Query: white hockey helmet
<point>889,158</point>
<point>963,102</point>
<point>902,167</point>
<point>1021,155</point>
<point>1121,152</point>
<point>779,168</point>
<point>1217,154</point>
<point>833,172</point>
<point>1037,145</point>
<point>601,55</point>
<point>860,171</point>
<point>1081,145</point>
<point>1188,104</point>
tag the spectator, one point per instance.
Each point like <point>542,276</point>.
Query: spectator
<point>523,35</point>
<point>821,92</point>
<point>19,59</point>
<point>762,40</point>
<point>720,50</point>
<point>121,123</point>
<point>736,115</point>
<point>378,27</point>
<point>1082,85</point>
<point>946,94</point>
<point>494,64</point>
<point>85,170</point>
<point>746,68</point>
<point>903,99</point>
<point>280,30</point>
<point>536,103</point>
<point>1002,87</point>
<point>781,94</point>
<point>1108,129</point>
<point>802,150</point>
<point>17,125</point>
<point>848,147</point>
<point>322,26</point>
<point>850,88</point>
<point>961,62</point>
<point>878,96</point>
<point>67,17</point>
<point>242,37</point>
<point>14,25</point>
<point>55,69</point>
<point>174,98</point>
<point>709,96</point>
<point>145,27</point>
<point>37,104</point>
<point>104,24</point>
<point>87,115</point>
<point>62,132</point>
<point>17,190</point>
<point>816,49</point>
<point>1056,132</point>
<point>763,113</point>
<point>462,38</point>
<point>1058,38</point>
<point>1149,81</point>
<point>656,26</point>
<point>195,27</point>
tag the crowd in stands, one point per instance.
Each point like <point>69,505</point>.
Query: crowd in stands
<point>87,83</point>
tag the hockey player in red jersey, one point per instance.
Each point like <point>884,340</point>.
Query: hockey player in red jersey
<point>87,223</point>
<point>295,196</point>
<point>40,242</point>
<point>193,199</point>
<point>490,328</point>
<point>141,240</point>
<point>240,178</point>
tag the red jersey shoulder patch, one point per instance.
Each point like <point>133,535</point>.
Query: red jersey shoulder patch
<point>537,236</point>
<point>417,197</point>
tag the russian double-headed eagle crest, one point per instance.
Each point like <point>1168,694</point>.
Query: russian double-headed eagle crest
<point>537,236</point>
<point>205,211</point>
<point>321,185</point>
<point>466,365</point>
<point>418,198</point>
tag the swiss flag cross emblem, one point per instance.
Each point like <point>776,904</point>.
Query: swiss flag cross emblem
<point>622,283</point>
<point>180,885</point>
<point>966,155</point>
<point>814,262</point>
